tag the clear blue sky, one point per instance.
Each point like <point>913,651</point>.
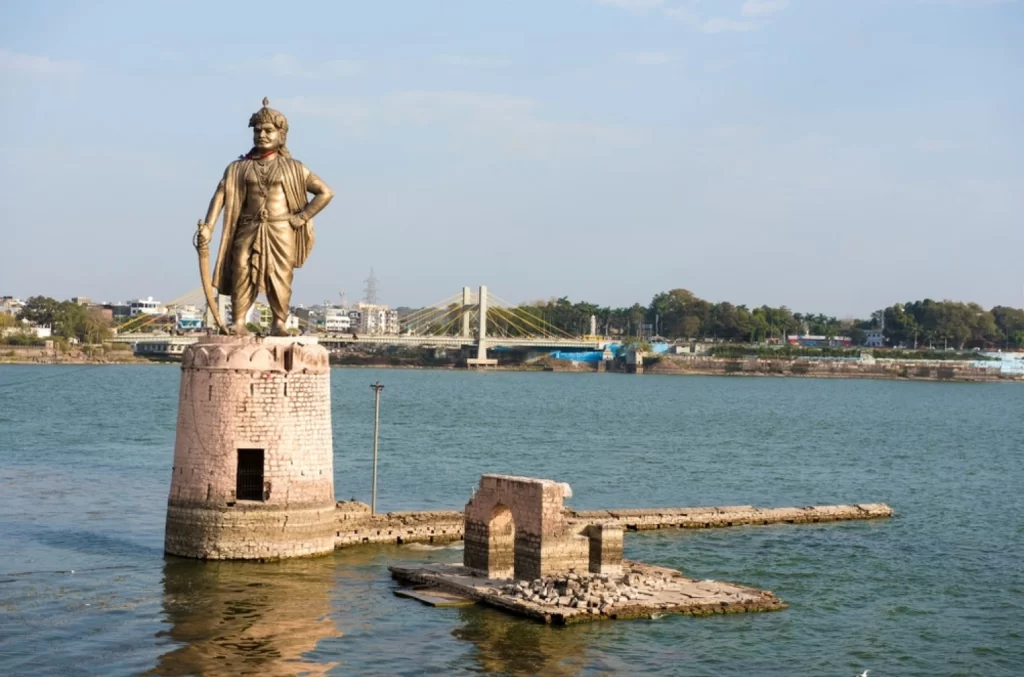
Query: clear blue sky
<point>829,156</point>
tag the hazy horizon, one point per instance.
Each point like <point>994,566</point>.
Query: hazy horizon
<point>830,157</point>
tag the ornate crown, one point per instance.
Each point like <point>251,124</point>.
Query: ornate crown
<point>270,115</point>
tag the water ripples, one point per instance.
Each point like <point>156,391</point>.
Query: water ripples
<point>86,458</point>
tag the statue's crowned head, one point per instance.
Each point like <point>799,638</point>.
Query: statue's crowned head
<point>269,130</point>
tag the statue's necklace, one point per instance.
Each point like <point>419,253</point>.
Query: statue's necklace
<point>262,176</point>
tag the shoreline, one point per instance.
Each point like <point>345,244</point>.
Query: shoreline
<point>932,374</point>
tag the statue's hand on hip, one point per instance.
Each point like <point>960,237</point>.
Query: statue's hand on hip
<point>297,221</point>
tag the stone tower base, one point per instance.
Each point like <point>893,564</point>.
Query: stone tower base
<point>253,473</point>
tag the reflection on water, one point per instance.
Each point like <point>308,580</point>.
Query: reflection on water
<point>507,645</point>
<point>246,617</point>
<point>518,646</point>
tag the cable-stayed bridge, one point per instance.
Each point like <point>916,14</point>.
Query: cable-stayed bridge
<point>473,321</point>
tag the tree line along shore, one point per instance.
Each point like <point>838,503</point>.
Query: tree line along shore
<point>680,314</point>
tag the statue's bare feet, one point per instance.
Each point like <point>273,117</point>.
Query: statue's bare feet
<point>279,329</point>
<point>239,329</point>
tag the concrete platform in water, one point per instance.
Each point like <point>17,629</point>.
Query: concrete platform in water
<point>355,525</point>
<point>640,591</point>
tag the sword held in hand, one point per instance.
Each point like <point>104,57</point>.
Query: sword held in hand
<point>201,241</point>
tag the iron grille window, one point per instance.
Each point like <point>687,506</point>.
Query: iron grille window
<point>249,484</point>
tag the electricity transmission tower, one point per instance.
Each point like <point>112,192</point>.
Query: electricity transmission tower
<point>371,288</point>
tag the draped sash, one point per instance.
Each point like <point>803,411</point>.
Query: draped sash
<point>294,183</point>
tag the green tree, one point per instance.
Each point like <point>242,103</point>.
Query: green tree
<point>1010,323</point>
<point>679,313</point>
<point>728,322</point>
<point>40,310</point>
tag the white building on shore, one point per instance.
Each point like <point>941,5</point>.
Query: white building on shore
<point>11,305</point>
<point>337,321</point>
<point>146,306</point>
<point>376,320</point>
<point>41,331</point>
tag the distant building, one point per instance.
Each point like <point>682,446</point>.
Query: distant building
<point>103,312</point>
<point>146,306</point>
<point>188,318</point>
<point>873,338</point>
<point>11,305</point>
<point>337,321</point>
<point>375,319</point>
<point>691,348</point>
<point>119,311</point>
<point>43,331</point>
<point>266,316</point>
<point>813,341</point>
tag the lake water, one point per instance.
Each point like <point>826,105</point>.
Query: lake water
<point>85,457</point>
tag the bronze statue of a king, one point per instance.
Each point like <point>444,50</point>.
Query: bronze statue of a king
<point>268,224</point>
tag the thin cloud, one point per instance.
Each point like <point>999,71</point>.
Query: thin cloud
<point>472,61</point>
<point>646,58</point>
<point>288,66</point>
<point>763,7</point>
<point>640,6</point>
<point>680,14</point>
<point>13,62</point>
<point>941,145</point>
<point>514,123</point>
<point>724,25</point>
<point>968,3</point>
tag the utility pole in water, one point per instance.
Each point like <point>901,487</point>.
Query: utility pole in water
<point>377,387</point>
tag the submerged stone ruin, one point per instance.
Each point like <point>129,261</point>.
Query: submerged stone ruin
<point>516,526</point>
<point>523,554</point>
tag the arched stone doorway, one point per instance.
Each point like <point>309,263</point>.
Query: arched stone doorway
<point>515,527</point>
<point>501,545</point>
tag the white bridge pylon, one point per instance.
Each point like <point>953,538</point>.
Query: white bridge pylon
<point>478,315</point>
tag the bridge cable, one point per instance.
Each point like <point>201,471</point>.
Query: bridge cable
<point>501,303</point>
<point>441,318</point>
<point>523,315</point>
<point>511,321</point>
<point>433,307</point>
<point>426,312</point>
<point>443,331</point>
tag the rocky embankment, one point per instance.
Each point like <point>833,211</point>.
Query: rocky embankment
<point>918,370</point>
<point>40,355</point>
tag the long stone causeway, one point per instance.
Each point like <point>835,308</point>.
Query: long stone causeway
<point>355,524</point>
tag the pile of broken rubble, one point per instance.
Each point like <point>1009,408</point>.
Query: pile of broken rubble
<point>594,593</point>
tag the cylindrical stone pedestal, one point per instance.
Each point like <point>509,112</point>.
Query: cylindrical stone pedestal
<point>253,473</point>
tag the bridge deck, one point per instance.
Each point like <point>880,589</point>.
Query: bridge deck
<point>411,341</point>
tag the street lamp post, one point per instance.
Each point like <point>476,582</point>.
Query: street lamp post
<point>377,387</point>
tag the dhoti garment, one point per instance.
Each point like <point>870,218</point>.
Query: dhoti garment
<point>263,261</point>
